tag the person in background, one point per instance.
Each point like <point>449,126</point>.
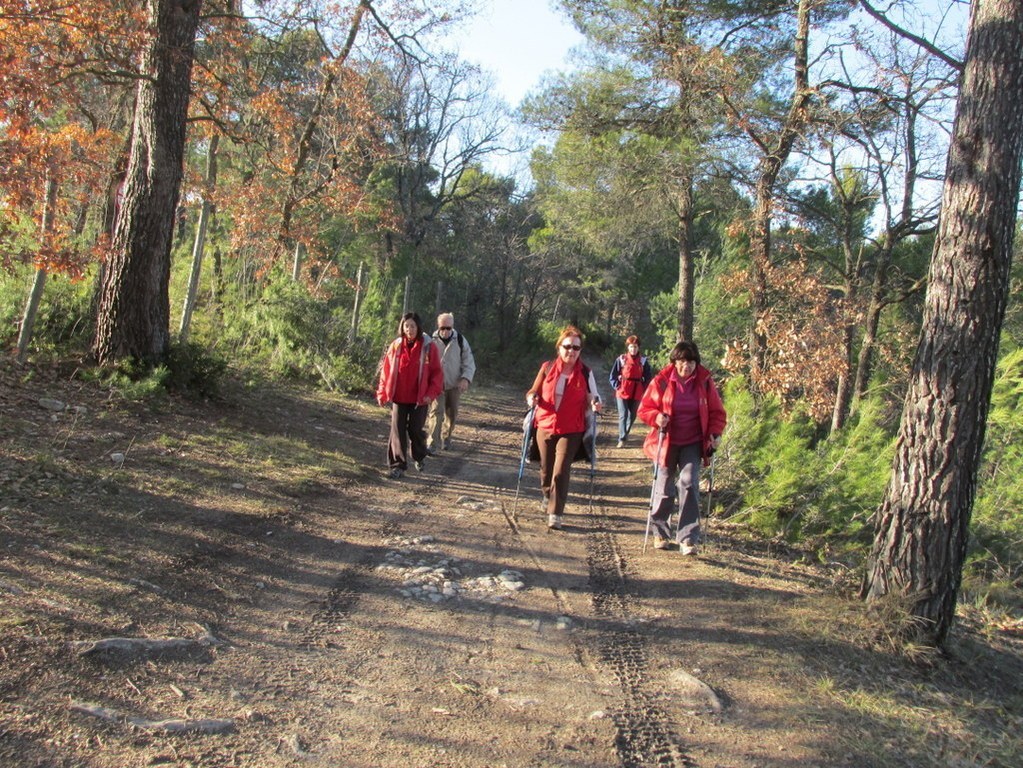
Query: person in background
<point>683,403</point>
<point>563,391</point>
<point>459,365</point>
<point>410,379</point>
<point>630,375</point>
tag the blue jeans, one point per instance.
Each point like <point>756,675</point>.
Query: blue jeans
<point>626,416</point>
<point>680,480</point>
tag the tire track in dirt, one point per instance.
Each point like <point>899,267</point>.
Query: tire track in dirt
<point>644,734</point>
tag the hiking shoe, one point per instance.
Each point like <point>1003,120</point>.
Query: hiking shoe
<point>395,473</point>
<point>554,522</point>
<point>447,444</point>
<point>430,451</point>
<point>419,466</point>
<point>543,504</point>
<point>661,543</point>
<point>688,548</point>
<point>621,444</point>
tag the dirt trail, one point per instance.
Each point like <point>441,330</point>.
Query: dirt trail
<point>362,621</point>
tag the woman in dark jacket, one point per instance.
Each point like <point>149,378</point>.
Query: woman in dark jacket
<point>629,378</point>
<point>562,392</point>
<point>683,404</point>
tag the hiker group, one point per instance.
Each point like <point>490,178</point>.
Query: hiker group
<point>423,376</point>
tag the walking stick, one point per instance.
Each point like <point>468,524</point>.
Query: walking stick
<point>710,495</point>
<point>653,486</point>
<point>527,434</point>
<point>593,459</point>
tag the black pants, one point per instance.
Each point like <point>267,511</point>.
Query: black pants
<point>408,424</point>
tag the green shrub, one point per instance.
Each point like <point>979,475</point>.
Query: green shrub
<point>792,484</point>
<point>996,546</point>
<point>194,369</point>
<point>64,319</point>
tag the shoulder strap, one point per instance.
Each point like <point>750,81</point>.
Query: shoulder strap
<point>461,342</point>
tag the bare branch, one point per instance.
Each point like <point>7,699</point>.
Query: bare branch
<point>925,44</point>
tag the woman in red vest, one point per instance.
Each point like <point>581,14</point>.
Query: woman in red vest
<point>410,379</point>
<point>683,403</point>
<point>563,391</point>
<point>630,375</point>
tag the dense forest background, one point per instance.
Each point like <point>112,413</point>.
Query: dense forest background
<point>762,177</point>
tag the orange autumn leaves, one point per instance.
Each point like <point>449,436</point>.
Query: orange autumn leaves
<point>60,62</point>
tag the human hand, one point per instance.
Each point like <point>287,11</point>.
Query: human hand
<point>463,385</point>
<point>663,420</point>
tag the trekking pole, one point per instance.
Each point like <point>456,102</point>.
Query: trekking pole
<point>593,460</point>
<point>527,434</point>
<point>710,494</point>
<point>653,487</point>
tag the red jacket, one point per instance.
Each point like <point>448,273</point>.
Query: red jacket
<point>633,377</point>
<point>431,375</point>
<point>571,415</point>
<point>658,399</point>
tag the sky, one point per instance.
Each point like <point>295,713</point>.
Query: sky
<point>517,41</point>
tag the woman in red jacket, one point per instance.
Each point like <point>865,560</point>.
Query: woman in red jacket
<point>630,376</point>
<point>562,392</point>
<point>683,403</point>
<point>411,378</point>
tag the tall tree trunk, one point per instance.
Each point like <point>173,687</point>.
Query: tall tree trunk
<point>770,167</point>
<point>205,213</point>
<point>134,311</point>
<point>353,332</point>
<point>853,275</point>
<point>865,359</point>
<point>686,269</point>
<point>922,523</point>
<point>28,320</point>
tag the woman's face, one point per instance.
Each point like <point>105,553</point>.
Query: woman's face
<point>633,349</point>
<point>685,368</point>
<point>410,328</point>
<point>569,348</point>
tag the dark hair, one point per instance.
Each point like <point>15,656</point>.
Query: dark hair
<point>685,350</point>
<point>633,340</point>
<point>414,316</point>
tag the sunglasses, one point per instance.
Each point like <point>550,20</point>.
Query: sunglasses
<point>445,328</point>
<point>573,347</point>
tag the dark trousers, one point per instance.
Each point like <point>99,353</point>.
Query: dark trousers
<point>680,480</point>
<point>408,424</point>
<point>556,454</point>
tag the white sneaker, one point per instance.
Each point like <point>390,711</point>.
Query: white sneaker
<point>688,548</point>
<point>554,522</point>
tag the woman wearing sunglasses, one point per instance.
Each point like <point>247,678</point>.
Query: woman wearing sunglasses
<point>563,393</point>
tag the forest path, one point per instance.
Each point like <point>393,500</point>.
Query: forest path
<point>363,621</point>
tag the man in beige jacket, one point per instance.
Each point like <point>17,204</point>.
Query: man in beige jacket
<point>459,367</point>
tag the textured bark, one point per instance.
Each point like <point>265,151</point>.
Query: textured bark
<point>686,267</point>
<point>134,310</point>
<point>922,523</point>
